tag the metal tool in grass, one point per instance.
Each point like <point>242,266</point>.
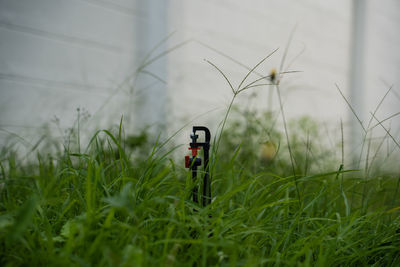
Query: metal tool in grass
<point>194,162</point>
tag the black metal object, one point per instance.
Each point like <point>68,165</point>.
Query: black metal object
<point>195,161</point>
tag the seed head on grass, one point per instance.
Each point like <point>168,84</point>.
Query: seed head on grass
<point>272,75</point>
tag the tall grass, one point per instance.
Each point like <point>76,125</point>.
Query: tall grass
<point>104,206</point>
<point>108,205</point>
<point>101,207</point>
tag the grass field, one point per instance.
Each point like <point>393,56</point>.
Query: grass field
<point>126,201</point>
<point>107,206</point>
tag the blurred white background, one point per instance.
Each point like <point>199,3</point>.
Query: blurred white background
<point>57,56</point>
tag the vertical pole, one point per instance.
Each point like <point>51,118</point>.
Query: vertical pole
<point>206,182</point>
<point>357,91</point>
<point>206,192</point>
<point>150,92</point>
<point>195,188</point>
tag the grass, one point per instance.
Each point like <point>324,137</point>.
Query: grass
<point>101,207</point>
<point>125,201</point>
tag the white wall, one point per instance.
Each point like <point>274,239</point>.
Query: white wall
<point>382,59</point>
<point>323,29</point>
<point>58,55</point>
<point>250,32</point>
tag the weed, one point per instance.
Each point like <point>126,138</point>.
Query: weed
<point>125,201</point>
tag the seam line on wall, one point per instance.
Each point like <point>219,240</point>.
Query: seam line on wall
<point>51,84</point>
<point>61,37</point>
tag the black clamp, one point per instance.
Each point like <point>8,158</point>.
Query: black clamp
<point>195,161</point>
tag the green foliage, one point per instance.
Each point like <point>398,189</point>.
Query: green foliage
<point>123,201</point>
<point>249,131</point>
<point>106,207</point>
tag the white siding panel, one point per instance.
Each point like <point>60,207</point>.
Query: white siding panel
<point>248,32</point>
<point>35,57</point>
<point>74,20</point>
<point>128,7</point>
<point>33,105</point>
<point>56,56</point>
<point>383,60</point>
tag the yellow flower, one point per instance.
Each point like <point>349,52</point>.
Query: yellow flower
<point>272,75</point>
<point>268,151</point>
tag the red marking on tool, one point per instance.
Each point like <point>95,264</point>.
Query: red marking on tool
<point>187,161</point>
<point>194,150</point>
